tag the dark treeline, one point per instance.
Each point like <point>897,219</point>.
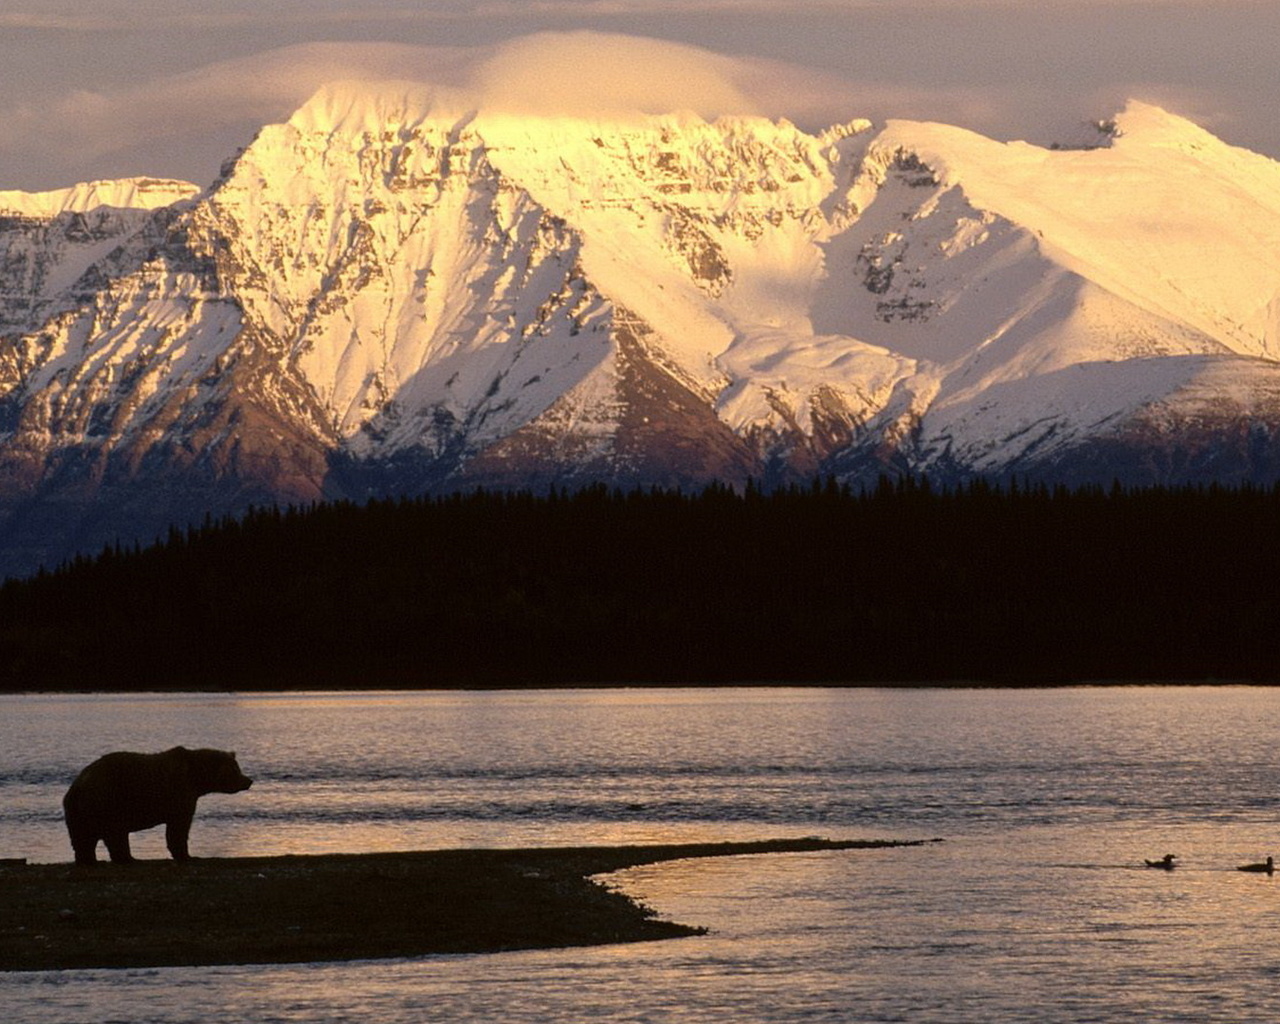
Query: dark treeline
<point>900,584</point>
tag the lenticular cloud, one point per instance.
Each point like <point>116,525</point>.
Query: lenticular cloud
<point>184,125</point>
<point>583,73</point>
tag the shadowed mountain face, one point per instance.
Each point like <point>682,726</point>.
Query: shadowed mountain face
<point>384,297</point>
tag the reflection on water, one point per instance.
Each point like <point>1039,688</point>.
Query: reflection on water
<point>1036,908</point>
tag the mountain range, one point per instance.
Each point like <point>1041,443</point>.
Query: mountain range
<point>386,296</point>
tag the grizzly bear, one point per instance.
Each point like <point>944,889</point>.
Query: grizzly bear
<point>126,792</point>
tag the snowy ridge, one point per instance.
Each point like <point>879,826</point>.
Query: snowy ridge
<point>124,194</point>
<point>392,292</point>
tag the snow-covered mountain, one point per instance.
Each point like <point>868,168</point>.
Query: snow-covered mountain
<point>385,295</point>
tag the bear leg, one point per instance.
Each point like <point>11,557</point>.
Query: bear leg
<point>176,834</point>
<point>118,847</point>
<point>86,849</point>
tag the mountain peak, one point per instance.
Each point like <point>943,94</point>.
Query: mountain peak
<point>1154,126</point>
<point>359,106</point>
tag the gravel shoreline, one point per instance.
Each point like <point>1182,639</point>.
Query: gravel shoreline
<point>337,907</point>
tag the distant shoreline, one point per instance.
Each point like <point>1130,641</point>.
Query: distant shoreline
<point>783,684</point>
<point>901,586</point>
<point>259,910</point>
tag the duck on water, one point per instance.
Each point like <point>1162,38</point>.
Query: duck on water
<point>1165,862</point>
<point>1268,866</point>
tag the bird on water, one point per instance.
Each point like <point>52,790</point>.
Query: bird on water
<point>1268,866</point>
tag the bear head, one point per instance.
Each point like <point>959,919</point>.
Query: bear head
<point>216,771</point>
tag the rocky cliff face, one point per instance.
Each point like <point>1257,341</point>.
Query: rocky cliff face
<point>384,296</point>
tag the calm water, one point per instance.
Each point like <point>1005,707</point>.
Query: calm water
<point>1036,908</point>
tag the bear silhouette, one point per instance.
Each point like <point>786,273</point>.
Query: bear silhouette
<point>126,792</point>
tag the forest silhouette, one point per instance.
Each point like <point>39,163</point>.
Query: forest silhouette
<point>899,584</point>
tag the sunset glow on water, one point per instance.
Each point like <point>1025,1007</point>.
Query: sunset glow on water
<point>1036,906</point>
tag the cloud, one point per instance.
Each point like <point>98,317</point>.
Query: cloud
<point>126,15</point>
<point>42,22</point>
<point>178,123</point>
<point>597,73</point>
<point>118,15</point>
<point>185,125</point>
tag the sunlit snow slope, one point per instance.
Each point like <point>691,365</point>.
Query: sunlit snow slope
<point>385,295</point>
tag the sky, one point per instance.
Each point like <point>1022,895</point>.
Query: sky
<point>93,89</point>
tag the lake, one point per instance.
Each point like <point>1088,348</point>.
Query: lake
<point>1036,907</point>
